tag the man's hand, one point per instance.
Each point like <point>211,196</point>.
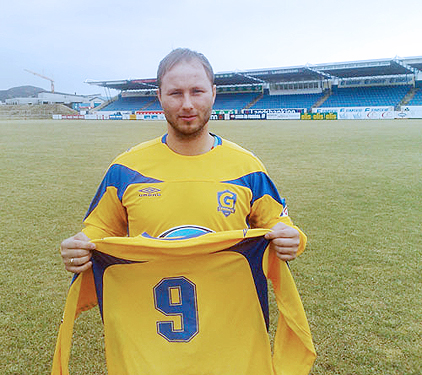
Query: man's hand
<point>285,241</point>
<point>76,253</point>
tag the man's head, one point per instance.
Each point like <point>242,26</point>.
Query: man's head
<point>186,93</point>
<point>183,55</point>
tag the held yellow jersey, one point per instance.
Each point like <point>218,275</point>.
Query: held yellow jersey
<point>152,189</point>
<point>195,306</point>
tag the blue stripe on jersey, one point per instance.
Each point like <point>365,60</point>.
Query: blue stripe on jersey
<point>253,250</point>
<point>259,183</point>
<point>120,177</point>
<point>217,140</point>
<point>74,277</point>
<point>100,262</point>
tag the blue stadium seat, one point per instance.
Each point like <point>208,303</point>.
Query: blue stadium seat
<point>366,96</point>
<point>234,101</point>
<point>287,101</point>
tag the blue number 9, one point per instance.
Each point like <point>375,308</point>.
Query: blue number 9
<point>176,296</point>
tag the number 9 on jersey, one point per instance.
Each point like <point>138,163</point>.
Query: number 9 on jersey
<point>176,296</point>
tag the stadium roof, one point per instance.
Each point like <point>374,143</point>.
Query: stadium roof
<point>352,69</point>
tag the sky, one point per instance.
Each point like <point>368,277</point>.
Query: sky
<point>74,41</point>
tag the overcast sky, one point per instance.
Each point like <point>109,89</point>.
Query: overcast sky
<point>72,41</point>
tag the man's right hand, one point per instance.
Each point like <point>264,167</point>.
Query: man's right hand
<point>76,253</point>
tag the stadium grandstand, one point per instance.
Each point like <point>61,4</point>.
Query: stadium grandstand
<point>383,85</point>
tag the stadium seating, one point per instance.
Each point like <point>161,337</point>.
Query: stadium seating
<point>149,103</point>
<point>287,101</point>
<point>366,96</point>
<point>154,105</point>
<point>234,101</point>
<point>340,97</point>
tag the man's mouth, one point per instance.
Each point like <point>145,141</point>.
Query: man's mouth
<point>187,117</point>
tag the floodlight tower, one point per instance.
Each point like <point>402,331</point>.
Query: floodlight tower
<point>40,75</point>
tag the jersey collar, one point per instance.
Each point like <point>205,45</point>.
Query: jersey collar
<point>217,140</point>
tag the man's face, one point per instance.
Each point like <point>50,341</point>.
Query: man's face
<point>187,96</point>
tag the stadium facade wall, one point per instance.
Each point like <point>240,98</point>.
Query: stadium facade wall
<point>396,80</point>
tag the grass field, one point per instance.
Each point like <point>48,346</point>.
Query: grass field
<point>354,187</point>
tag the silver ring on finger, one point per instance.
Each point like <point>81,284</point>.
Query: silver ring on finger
<point>71,261</point>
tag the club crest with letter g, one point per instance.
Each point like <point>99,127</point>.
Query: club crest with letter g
<point>226,202</point>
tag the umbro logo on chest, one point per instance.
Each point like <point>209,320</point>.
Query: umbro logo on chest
<point>150,192</point>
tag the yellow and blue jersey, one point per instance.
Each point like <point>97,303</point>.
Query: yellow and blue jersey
<point>152,189</point>
<point>195,305</point>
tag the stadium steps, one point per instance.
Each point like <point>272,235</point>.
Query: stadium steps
<point>105,104</point>
<point>417,98</point>
<point>258,98</point>
<point>150,103</point>
<point>408,97</point>
<point>322,100</point>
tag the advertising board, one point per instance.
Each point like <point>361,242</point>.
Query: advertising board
<point>409,112</point>
<point>274,114</point>
<point>359,113</point>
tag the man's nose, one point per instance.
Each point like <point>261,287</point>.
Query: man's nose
<point>187,101</point>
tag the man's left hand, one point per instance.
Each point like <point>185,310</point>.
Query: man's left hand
<point>285,241</point>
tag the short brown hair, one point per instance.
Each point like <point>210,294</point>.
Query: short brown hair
<point>183,54</point>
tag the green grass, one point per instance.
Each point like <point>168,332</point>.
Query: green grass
<point>354,187</point>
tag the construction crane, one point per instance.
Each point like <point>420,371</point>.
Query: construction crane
<point>40,75</point>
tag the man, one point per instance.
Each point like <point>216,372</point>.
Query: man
<point>189,179</point>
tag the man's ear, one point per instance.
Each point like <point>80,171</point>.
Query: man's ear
<point>159,94</point>
<point>214,92</point>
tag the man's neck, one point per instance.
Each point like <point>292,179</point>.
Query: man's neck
<point>190,145</point>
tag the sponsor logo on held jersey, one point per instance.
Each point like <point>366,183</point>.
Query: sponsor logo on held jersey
<point>184,231</point>
<point>226,202</point>
<point>150,192</point>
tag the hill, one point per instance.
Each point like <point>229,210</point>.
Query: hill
<point>40,111</point>
<point>20,92</point>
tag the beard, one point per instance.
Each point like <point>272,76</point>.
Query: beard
<point>185,129</point>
